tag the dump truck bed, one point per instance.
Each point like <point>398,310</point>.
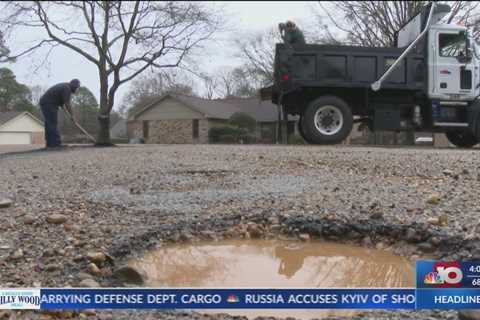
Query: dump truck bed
<point>312,65</point>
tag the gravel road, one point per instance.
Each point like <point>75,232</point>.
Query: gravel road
<point>122,200</point>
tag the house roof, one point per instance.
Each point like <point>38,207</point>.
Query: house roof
<point>10,115</point>
<point>210,108</point>
<point>262,111</point>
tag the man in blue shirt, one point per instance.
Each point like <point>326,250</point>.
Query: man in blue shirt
<point>57,96</point>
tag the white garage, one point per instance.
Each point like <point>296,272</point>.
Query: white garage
<point>20,128</point>
<point>15,138</point>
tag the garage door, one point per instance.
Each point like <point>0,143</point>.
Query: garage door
<point>15,138</point>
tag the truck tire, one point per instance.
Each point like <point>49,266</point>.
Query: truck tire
<point>327,120</point>
<point>461,139</point>
<point>300,130</point>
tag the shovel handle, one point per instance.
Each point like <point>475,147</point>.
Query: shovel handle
<point>80,127</point>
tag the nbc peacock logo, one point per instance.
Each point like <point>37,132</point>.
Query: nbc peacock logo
<point>432,278</point>
<point>444,275</point>
<point>232,298</point>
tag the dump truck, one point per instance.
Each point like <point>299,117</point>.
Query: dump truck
<point>428,82</point>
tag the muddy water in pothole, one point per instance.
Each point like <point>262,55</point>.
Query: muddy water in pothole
<point>274,264</point>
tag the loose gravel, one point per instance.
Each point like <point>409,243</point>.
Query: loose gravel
<point>123,200</point>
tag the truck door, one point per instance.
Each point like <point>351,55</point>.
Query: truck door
<point>476,63</point>
<point>452,71</point>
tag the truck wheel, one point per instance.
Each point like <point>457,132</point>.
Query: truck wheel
<point>327,120</point>
<point>300,130</point>
<point>462,139</point>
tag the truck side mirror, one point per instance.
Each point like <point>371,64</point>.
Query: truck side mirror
<point>464,59</point>
<point>467,55</point>
<point>469,49</point>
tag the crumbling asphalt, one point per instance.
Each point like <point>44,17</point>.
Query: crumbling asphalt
<point>124,200</point>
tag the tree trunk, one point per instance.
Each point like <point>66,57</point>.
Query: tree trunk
<point>103,138</point>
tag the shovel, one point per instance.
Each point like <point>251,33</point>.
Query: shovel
<point>85,132</point>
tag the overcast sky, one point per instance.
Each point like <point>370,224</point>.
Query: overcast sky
<point>243,17</point>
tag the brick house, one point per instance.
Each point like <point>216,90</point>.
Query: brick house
<point>177,118</point>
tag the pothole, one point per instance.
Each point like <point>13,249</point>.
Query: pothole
<point>274,264</point>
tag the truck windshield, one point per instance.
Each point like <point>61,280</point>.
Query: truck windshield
<point>452,45</point>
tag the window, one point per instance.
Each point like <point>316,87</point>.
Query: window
<point>145,129</point>
<point>195,128</point>
<point>452,45</point>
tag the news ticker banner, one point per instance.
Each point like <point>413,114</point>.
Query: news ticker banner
<point>156,298</point>
<point>119,298</point>
<point>439,285</point>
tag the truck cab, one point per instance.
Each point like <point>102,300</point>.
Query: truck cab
<point>429,82</point>
<point>452,64</point>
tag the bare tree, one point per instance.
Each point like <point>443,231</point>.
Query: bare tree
<point>258,53</point>
<point>236,82</point>
<point>142,88</point>
<point>226,82</point>
<point>148,87</point>
<point>179,82</point>
<point>4,52</point>
<point>210,86</point>
<point>246,83</point>
<point>121,38</point>
<point>37,92</point>
<point>374,23</point>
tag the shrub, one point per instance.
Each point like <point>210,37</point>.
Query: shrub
<point>229,134</point>
<point>247,139</point>
<point>227,138</point>
<point>243,120</point>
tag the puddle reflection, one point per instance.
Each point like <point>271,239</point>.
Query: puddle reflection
<point>269,263</point>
